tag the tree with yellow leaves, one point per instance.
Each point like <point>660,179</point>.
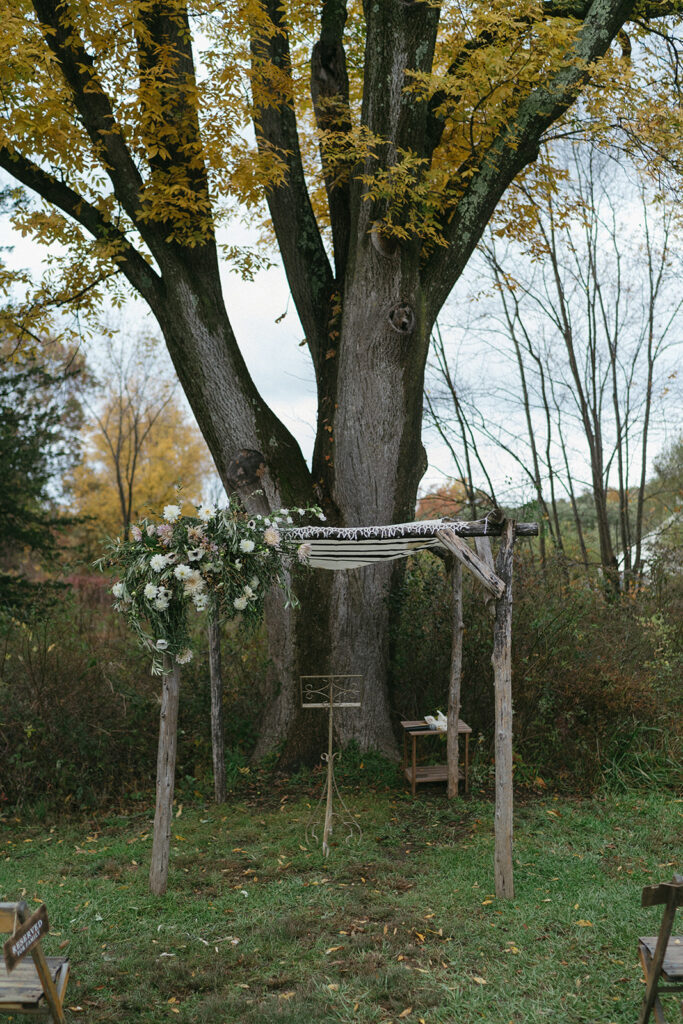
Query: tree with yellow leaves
<point>138,447</point>
<point>386,135</point>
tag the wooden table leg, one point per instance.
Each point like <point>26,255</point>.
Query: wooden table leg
<point>467,762</point>
<point>414,780</point>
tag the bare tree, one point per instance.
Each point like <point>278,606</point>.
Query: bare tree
<point>585,314</point>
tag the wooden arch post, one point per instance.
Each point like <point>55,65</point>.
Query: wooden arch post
<point>501,659</point>
<point>497,582</point>
<point>166,757</point>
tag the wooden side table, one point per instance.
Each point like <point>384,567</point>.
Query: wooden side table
<point>415,773</point>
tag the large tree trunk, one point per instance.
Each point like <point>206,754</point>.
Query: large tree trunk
<point>342,625</point>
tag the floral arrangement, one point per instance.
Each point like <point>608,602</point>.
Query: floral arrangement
<point>218,562</point>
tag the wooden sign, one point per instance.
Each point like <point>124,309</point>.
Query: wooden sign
<point>25,937</point>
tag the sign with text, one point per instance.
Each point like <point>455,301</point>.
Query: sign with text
<point>25,937</point>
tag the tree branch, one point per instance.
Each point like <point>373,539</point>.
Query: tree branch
<point>92,104</point>
<point>130,262</point>
<point>517,145</point>
<point>330,95</point>
<point>305,260</point>
<point>165,45</point>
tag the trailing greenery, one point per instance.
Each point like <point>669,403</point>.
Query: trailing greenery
<point>402,925</point>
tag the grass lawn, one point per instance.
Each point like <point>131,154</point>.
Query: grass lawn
<point>399,926</point>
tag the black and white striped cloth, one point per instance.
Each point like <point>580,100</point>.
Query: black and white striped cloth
<point>334,547</point>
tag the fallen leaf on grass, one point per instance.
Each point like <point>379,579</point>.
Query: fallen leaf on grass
<point>584,924</point>
<point>333,988</point>
<point>406,1013</point>
<point>332,949</point>
<point>286,995</point>
<point>478,980</point>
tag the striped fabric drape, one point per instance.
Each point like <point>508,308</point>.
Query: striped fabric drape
<point>334,547</point>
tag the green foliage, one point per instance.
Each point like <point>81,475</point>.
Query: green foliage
<point>596,686</point>
<point>36,446</point>
<point>79,711</point>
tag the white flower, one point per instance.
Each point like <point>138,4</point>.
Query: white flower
<point>301,512</point>
<point>158,562</point>
<point>240,603</point>
<point>238,564</point>
<point>150,529</point>
<point>266,522</point>
<point>322,517</point>
<point>290,520</point>
<point>271,537</point>
<point>303,552</point>
<point>172,513</point>
<point>161,645</point>
<point>193,583</point>
<point>118,590</point>
<point>161,604</point>
<point>194,554</point>
<point>184,657</point>
<point>253,582</point>
<point>205,513</point>
<point>150,591</point>
<point>248,592</point>
<point>182,572</point>
<point>200,601</point>
<point>136,533</point>
<point>246,546</point>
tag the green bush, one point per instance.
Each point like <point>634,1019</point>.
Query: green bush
<point>79,710</point>
<point>596,688</point>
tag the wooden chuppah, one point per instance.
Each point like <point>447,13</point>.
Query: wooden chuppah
<point>496,578</point>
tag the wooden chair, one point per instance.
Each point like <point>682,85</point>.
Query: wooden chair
<point>36,985</point>
<point>661,955</point>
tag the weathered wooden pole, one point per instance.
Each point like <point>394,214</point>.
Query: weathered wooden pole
<point>217,734</point>
<point>327,828</point>
<point>502,682</point>
<point>166,757</point>
<point>453,714</point>
<point>483,546</point>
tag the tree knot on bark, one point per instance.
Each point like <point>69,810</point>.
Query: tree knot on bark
<point>246,469</point>
<point>402,318</point>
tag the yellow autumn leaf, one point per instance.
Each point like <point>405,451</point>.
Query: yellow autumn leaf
<point>584,924</point>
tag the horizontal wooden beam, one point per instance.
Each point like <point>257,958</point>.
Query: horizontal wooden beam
<point>471,561</point>
<point>489,528</point>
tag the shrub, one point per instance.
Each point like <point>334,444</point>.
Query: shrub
<point>595,683</point>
